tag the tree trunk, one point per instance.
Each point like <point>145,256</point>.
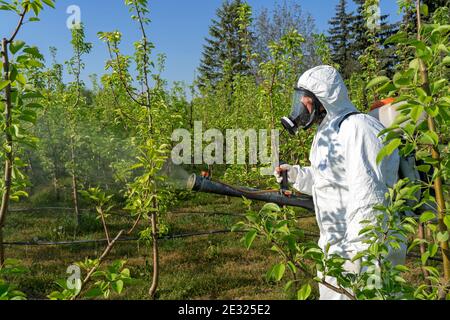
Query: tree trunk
<point>55,187</point>
<point>422,247</point>
<point>438,186</point>
<point>2,249</point>
<point>155,280</point>
<point>9,145</point>
<point>75,184</point>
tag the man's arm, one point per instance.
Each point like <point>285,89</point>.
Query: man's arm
<point>305,180</point>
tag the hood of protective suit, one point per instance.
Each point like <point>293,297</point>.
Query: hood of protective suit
<point>329,87</point>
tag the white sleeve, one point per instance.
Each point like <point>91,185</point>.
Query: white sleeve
<point>305,180</point>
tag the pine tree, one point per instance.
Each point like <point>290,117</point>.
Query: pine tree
<point>433,5</point>
<point>360,29</point>
<point>224,55</point>
<point>409,23</point>
<point>341,39</point>
<point>360,34</point>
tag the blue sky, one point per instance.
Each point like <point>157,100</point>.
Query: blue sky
<point>178,28</point>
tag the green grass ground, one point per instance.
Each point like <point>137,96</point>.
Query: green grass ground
<point>204,267</point>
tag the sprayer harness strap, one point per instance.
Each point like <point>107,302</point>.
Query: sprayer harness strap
<point>348,116</point>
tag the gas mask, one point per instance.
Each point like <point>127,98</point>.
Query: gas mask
<point>300,117</point>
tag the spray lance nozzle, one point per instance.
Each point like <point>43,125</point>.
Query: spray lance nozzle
<point>284,184</point>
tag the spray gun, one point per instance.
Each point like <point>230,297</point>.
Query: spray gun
<point>284,184</point>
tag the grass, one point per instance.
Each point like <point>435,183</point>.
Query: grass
<point>203,267</point>
<point>212,267</point>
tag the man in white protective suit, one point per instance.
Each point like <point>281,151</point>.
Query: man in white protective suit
<point>344,178</point>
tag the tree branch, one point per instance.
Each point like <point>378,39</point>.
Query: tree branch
<point>100,260</point>
<point>19,25</point>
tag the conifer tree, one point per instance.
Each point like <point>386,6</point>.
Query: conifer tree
<point>224,55</point>
<point>433,5</point>
<point>361,34</point>
<point>341,39</point>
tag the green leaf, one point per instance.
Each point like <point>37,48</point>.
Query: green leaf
<point>118,286</point>
<point>415,243</point>
<point>4,84</point>
<point>446,60</point>
<point>17,131</point>
<point>424,10</point>
<point>13,73</point>
<point>49,3</point>
<point>433,249</point>
<point>278,272</point>
<point>442,29</point>
<point>377,81</point>
<point>94,293</point>
<point>271,207</point>
<point>429,138</point>
<point>425,258</point>
<point>388,150</point>
<point>387,88</point>
<point>414,64</point>
<point>400,37</point>
<point>424,168</point>
<point>21,79</point>
<point>34,51</point>
<point>32,95</point>
<point>427,216</point>
<point>416,113</point>
<point>438,85</point>
<point>16,46</point>
<point>288,286</point>
<point>34,105</point>
<point>447,221</point>
<point>443,48</point>
<point>443,236</point>
<point>401,268</point>
<point>125,273</point>
<point>250,238</point>
<point>401,80</point>
<point>304,293</point>
<point>421,93</point>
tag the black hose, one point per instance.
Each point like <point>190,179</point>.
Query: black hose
<point>200,184</point>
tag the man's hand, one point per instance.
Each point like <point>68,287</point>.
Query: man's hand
<point>292,173</point>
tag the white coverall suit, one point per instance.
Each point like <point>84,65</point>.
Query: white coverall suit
<point>344,178</point>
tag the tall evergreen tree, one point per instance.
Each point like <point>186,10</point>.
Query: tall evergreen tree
<point>360,34</point>
<point>433,5</point>
<point>341,39</point>
<point>224,54</point>
<point>409,23</point>
<point>360,29</point>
